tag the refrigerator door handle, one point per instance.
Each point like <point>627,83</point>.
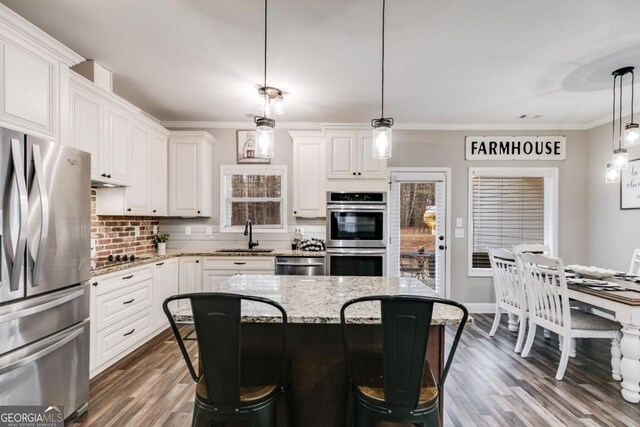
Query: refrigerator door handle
<point>23,198</point>
<point>44,204</point>
<point>42,307</point>
<point>42,353</point>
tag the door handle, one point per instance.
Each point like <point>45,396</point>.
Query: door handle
<point>239,263</point>
<point>17,258</point>
<point>44,220</point>
<point>128,302</point>
<point>130,332</point>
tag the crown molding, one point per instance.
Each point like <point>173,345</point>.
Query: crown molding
<point>194,124</point>
<point>19,29</point>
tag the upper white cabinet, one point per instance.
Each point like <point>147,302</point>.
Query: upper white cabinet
<point>101,125</point>
<point>190,173</point>
<point>147,193</point>
<point>34,72</point>
<point>309,174</point>
<point>350,155</point>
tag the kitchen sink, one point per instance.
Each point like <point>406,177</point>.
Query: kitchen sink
<point>246,251</point>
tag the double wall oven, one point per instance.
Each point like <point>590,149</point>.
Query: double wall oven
<point>356,234</point>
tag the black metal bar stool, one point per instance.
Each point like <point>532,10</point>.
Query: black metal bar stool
<point>233,385</point>
<point>392,381</point>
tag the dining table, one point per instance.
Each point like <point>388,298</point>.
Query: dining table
<point>623,301</point>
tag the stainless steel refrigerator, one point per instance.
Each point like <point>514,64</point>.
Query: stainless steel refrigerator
<point>45,227</point>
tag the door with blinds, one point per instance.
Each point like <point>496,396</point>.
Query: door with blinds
<point>418,227</point>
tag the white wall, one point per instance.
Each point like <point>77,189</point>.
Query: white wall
<point>613,233</point>
<point>416,148</point>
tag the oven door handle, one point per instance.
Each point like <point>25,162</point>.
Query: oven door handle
<point>341,208</point>
<point>356,252</point>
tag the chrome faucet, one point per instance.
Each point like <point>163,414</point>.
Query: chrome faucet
<point>248,231</point>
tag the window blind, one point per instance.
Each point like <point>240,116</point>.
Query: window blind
<point>507,211</point>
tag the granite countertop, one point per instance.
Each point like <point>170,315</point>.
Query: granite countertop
<point>173,253</point>
<point>318,299</point>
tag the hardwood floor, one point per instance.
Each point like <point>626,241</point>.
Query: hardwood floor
<point>488,385</point>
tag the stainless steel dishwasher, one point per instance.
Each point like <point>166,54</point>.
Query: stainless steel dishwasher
<point>300,266</point>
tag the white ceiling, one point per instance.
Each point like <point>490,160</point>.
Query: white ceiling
<point>449,62</point>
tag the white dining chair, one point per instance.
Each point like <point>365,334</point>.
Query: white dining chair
<point>509,289</point>
<point>546,286</point>
<point>635,262</point>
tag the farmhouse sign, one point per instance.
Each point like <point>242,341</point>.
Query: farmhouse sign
<point>515,147</point>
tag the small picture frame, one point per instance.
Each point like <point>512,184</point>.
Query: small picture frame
<point>630,186</point>
<point>246,148</point>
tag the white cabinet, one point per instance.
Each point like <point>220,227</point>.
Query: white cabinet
<point>218,269</point>
<point>100,123</point>
<point>115,151</point>
<point>34,79</point>
<point>190,174</point>
<point>350,155</point>
<point>159,184</point>
<point>86,128</point>
<point>309,174</point>
<point>165,284</point>
<point>147,193</point>
<point>190,275</point>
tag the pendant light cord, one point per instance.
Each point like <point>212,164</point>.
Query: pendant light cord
<point>613,120</point>
<point>633,78</point>
<point>265,43</point>
<point>620,114</point>
<point>382,104</point>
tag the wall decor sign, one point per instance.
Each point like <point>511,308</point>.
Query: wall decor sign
<point>630,186</point>
<point>246,148</point>
<point>515,147</point>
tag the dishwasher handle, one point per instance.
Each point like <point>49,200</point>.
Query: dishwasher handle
<point>298,264</point>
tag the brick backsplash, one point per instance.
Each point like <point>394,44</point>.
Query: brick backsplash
<point>115,235</point>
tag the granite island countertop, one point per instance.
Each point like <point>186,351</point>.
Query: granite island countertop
<point>318,299</point>
<point>173,253</point>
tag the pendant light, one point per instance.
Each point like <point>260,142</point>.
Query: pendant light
<point>631,130</point>
<point>382,133</point>
<point>620,159</point>
<point>264,125</point>
<point>612,175</point>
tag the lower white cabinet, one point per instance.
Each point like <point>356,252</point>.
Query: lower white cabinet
<point>165,285</point>
<point>190,274</point>
<point>126,310</point>
<point>218,269</point>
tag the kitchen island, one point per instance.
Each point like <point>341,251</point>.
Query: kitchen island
<point>314,336</point>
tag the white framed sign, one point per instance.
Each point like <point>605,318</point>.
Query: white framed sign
<point>515,147</point>
<point>630,186</point>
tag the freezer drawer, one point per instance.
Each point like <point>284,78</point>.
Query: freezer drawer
<point>35,318</point>
<point>52,371</point>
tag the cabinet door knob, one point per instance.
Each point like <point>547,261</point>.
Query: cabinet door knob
<point>198,211</point>
<point>104,175</point>
<point>95,283</point>
<point>354,173</point>
<point>359,173</point>
<point>129,209</point>
<point>109,175</point>
<point>154,211</point>
<point>197,261</point>
<point>442,248</point>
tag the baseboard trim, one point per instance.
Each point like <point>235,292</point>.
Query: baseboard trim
<point>480,307</point>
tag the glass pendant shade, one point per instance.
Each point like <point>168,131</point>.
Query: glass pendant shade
<point>265,138</point>
<point>278,106</point>
<point>382,138</point>
<point>620,159</point>
<point>631,135</point>
<point>612,175</point>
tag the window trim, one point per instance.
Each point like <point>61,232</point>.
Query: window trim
<point>259,170</point>
<point>551,211</point>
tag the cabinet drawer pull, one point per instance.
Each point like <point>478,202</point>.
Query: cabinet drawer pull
<point>239,263</point>
<point>130,332</point>
<point>160,263</point>
<point>129,302</point>
<point>127,277</point>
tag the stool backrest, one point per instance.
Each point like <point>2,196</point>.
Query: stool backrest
<point>406,321</point>
<point>546,285</point>
<point>217,321</point>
